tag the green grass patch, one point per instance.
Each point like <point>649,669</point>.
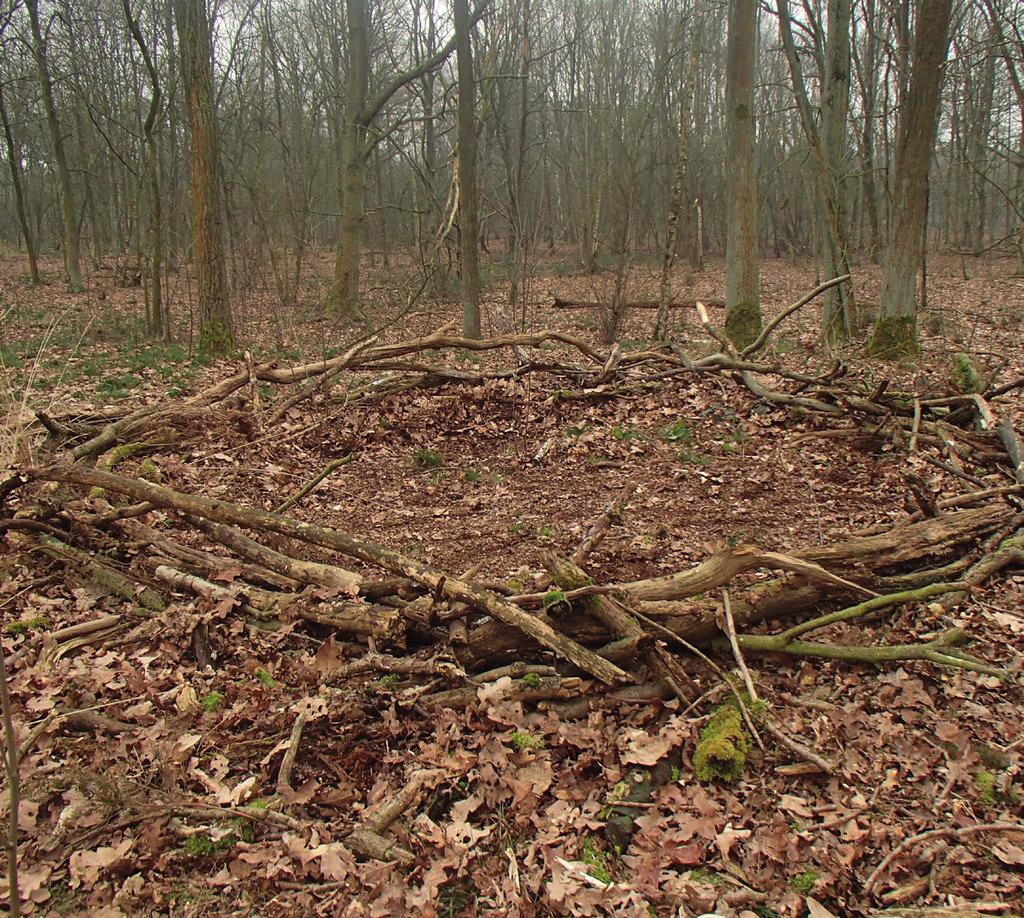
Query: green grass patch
<point>427,459</point>
<point>679,433</point>
<point>804,882</point>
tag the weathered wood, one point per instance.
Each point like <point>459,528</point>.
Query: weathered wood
<point>434,579</point>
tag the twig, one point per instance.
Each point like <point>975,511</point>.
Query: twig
<point>947,832</point>
<point>915,429</point>
<point>759,342</point>
<point>730,630</point>
<point>799,748</point>
<point>702,314</point>
<point>715,668</point>
<point>310,485</point>
<point>13,791</point>
<point>284,774</point>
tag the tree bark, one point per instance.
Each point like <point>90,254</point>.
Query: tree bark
<point>216,331</point>
<point>72,261</point>
<point>14,162</point>
<point>158,318</point>
<point>895,333</point>
<point>679,182</point>
<point>742,289</point>
<point>343,299</point>
<point>468,197</point>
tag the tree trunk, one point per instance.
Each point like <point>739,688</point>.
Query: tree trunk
<point>14,161</point>
<point>343,299</point>
<point>742,289</point>
<point>468,210</point>
<point>679,182</point>
<point>158,318</point>
<point>72,264</point>
<point>216,332</point>
<point>828,146</point>
<point>895,333</point>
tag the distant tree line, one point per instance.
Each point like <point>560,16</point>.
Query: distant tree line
<point>252,132</point>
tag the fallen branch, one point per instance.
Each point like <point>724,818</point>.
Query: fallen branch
<point>946,832</point>
<point>427,576</point>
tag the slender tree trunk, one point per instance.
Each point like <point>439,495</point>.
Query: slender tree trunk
<point>828,146</point>
<point>468,208</point>
<point>742,288</point>
<point>72,261</point>
<point>895,333</point>
<point>158,318</point>
<point>343,299</point>
<point>216,331</point>
<point>679,182</point>
<point>14,162</point>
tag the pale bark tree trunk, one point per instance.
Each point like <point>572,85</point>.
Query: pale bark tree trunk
<point>742,286</point>
<point>216,331</point>
<point>14,162</point>
<point>469,268</point>
<point>1010,59</point>
<point>72,261</point>
<point>679,181</point>
<point>895,333</point>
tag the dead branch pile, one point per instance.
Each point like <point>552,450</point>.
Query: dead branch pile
<point>564,640</point>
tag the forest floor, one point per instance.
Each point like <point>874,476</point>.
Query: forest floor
<point>150,809</point>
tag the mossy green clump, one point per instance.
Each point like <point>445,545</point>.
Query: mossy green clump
<point>553,599</point>
<point>264,677</point>
<point>965,375</point>
<point>202,845</point>
<point>743,324</point>
<point>985,781</point>
<point>389,681</point>
<point>215,339</point>
<point>531,680</point>
<point>722,750</point>
<point>708,877</point>
<point>27,625</point>
<point>150,471</point>
<point>804,882</point>
<point>521,741</point>
<point>211,701</point>
<point>894,338</point>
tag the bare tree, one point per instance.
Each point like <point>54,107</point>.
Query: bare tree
<point>742,292</point>
<point>216,331</point>
<point>895,332</point>
<point>158,317</point>
<point>72,265</point>
<point>468,200</point>
<point>828,146</point>
<point>361,111</point>
<point>14,164</point>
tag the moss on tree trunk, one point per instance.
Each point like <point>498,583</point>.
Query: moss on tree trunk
<point>894,337</point>
<point>743,324</point>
